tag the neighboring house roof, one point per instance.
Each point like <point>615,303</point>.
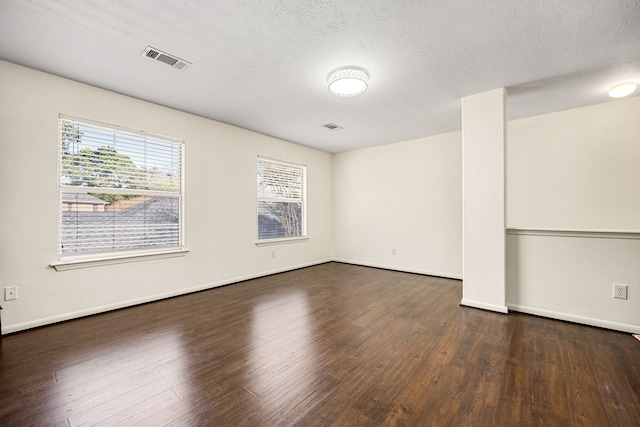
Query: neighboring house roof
<point>157,217</point>
<point>158,210</point>
<point>155,210</point>
<point>82,198</point>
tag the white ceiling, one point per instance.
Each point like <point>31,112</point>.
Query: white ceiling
<point>263,64</point>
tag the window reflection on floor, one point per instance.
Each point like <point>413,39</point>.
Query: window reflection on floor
<point>282,352</point>
<point>101,383</point>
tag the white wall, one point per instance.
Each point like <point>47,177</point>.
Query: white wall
<point>570,176</point>
<point>220,203</point>
<point>571,277</point>
<point>405,196</point>
<point>576,169</point>
<point>484,231</point>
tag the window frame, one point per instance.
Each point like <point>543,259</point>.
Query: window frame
<point>303,232</point>
<point>66,261</point>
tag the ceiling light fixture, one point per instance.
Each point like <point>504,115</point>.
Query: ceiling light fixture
<point>622,89</point>
<point>348,81</point>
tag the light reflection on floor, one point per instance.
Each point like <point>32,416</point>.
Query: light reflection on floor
<point>282,354</point>
<point>104,382</point>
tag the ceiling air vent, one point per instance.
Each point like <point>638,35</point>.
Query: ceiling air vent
<point>332,126</point>
<point>165,58</point>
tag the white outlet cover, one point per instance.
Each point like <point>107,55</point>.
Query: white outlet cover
<point>10,293</point>
<point>620,291</point>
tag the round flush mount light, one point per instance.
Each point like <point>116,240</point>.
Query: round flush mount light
<point>348,81</point>
<point>621,90</point>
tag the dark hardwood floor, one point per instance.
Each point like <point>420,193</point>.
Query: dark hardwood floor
<point>330,345</point>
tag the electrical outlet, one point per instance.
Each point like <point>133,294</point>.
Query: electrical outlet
<point>393,251</point>
<point>620,291</point>
<point>11,293</point>
<point>273,254</point>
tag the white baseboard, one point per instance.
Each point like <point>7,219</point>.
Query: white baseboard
<point>622,327</point>
<point>129,303</point>
<point>484,306</point>
<point>402,269</point>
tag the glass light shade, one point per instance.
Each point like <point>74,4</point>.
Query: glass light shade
<point>622,90</point>
<point>348,82</point>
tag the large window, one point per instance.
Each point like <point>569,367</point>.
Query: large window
<point>119,190</point>
<point>281,200</point>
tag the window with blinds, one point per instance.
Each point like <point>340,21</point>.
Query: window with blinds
<point>119,190</point>
<point>281,200</point>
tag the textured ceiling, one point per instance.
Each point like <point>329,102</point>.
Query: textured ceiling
<point>262,64</point>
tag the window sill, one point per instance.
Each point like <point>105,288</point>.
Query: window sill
<point>73,264</point>
<point>281,241</point>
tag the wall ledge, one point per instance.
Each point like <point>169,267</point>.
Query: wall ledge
<point>590,234</point>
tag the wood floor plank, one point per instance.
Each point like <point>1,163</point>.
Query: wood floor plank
<point>620,402</point>
<point>330,345</point>
<point>585,404</point>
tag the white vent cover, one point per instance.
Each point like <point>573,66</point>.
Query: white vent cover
<point>165,58</point>
<point>333,126</point>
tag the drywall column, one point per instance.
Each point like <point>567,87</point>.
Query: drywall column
<point>484,231</point>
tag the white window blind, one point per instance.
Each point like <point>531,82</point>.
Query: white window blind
<point>281,200</point>
<point>119,190</point>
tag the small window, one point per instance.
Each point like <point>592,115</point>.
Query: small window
<point>122,189</point>
<point>281,200</point>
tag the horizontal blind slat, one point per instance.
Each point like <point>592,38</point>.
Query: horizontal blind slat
<point>117,189</point>
<point>280,199</point>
